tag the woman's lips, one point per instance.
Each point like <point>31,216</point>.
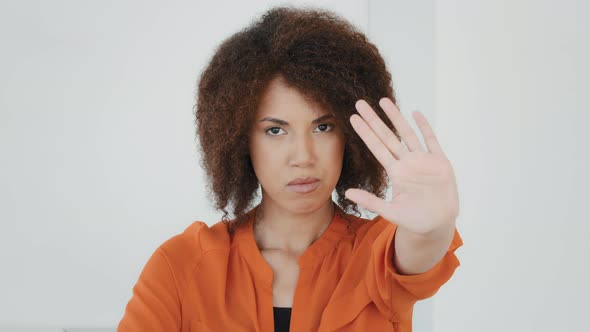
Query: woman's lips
<point>304,188</point>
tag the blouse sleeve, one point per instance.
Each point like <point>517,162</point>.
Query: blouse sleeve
<point>155,303</point>
<point>395,294</point>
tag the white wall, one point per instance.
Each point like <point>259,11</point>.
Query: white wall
<point>99,164</point>
<point>512,119</point>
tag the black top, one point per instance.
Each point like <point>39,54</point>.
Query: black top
<point>282,319</point>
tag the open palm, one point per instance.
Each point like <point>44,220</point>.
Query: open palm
<point>424,189</point>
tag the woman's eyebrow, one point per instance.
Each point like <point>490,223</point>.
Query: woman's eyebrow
<point>285,123</point>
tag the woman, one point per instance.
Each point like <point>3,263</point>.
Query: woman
<point>300,104</point>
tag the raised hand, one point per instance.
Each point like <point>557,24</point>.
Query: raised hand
<point>425,197</point>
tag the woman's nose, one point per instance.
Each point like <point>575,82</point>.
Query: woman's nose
<point>302,151</point>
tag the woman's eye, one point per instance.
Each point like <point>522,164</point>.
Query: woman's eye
<point>325,125</point>
<point>274,130</point>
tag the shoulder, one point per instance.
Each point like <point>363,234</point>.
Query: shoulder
<point>194,242</point>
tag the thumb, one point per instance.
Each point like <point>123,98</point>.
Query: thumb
<point>367,200</point>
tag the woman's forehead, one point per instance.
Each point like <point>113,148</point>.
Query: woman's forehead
<point>282,101</point>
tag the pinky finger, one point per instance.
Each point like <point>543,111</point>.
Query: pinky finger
<point>429,136</point>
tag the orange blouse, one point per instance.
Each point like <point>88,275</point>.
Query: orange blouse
<point>206,280</point>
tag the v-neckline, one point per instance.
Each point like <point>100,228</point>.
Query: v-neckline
<point>308,258</point>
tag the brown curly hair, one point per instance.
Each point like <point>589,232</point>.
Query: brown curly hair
<point>315,51</point>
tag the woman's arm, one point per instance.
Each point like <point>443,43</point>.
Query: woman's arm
<point>417,253</point>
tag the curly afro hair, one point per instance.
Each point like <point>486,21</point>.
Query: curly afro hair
<point>318,53</point>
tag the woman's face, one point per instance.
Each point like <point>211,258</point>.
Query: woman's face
<point>289,139</point>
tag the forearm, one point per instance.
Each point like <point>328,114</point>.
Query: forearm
<point>418,253</point>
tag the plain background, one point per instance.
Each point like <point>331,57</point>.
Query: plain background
<point>99,163</point>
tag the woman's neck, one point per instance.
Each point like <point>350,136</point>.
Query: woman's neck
<point>278,229</point>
